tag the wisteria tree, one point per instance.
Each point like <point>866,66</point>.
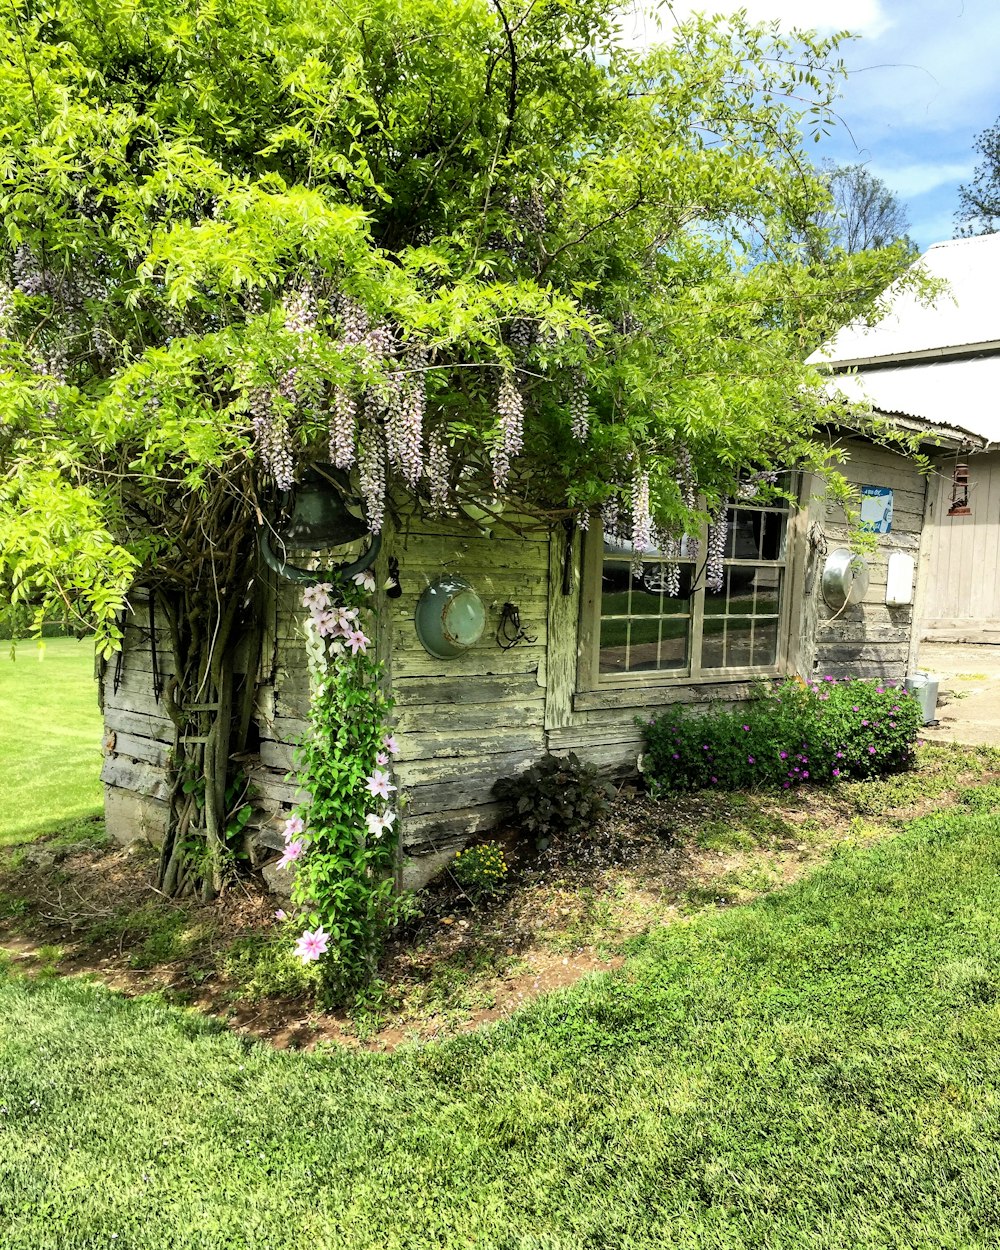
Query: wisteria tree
<point>473,249</point>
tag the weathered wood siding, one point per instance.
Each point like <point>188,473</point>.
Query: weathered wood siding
<point>962,603</point>
<point>138,733</point>
<point>463,723</point>
<point>870,639</point>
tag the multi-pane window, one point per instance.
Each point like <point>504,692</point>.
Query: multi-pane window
<point>648,620</point>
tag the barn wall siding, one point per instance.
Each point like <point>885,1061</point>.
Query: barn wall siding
<point>870,639</point>
<point>465,722</point>
<point>962,603</point>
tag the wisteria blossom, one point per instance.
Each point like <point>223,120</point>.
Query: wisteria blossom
<point>579,408</point>
<point>371,476</point>
<point>312,945</point>
<point>343,428</point>
<point>378,784</point>
<point>715,567</point>
<point>436,472</point>
<point>642,531</point>
<point>510,429</point>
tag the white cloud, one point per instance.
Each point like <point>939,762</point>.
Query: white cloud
<point>646,23</point>
<point>920,177</point>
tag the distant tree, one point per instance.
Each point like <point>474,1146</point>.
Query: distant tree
<point>979,202</point>
<point>864,214</point>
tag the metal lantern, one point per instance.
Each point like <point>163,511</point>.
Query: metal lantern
<point>960,491</point>
<point>322,513</point>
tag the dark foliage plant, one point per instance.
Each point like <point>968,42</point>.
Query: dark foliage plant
<point>559,797</point>
<point>787,736</point>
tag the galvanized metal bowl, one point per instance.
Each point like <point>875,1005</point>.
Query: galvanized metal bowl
<point>845,579</point>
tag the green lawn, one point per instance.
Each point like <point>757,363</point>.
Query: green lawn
<point>819,1069</point>
<point>50,738</point>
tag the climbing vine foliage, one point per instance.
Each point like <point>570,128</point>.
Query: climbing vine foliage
<point>342,842</point>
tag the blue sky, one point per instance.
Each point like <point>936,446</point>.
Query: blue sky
<point>925,79</point>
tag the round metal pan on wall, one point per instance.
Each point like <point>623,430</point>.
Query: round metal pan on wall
<point>450,617</point>
<point>845,579</point>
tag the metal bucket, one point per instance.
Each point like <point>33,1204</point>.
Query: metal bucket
<point>924,688</point>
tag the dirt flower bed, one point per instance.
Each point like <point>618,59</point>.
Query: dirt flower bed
<point>93,910</point>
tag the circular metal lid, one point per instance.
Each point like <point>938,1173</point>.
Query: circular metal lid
<point>450,617</point>
<point>845,579</point>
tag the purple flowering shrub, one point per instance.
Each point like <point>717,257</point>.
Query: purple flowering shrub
<point>788,736</point>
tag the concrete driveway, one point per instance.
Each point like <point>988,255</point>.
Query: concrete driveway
<point>969,698</point>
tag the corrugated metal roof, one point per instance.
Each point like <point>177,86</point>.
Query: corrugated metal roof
<point>962,395</point>
<point>968,313</point>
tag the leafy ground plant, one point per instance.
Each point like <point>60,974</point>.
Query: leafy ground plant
<point>795,734</point>
<point>559,797</point>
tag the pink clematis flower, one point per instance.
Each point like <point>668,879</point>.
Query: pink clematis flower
<point>389,742</point>
<point>294,826</point>
<point>377,825</point>
<point>280,914</point>
<point>382,759</point>
<point>366,580</point>
<point>378,784</point>
<point>317,597</point>
<point>357,641</point>
<point>312,945</point>
<point>292,852</point>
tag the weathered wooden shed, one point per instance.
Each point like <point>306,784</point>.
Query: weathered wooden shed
<point>600,645</point>
<point>936,369</point>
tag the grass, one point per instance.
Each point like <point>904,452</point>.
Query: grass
<point>819,1069</point>
<point>50,739</point>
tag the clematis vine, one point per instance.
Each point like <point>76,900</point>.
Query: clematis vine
<point>343,850</point>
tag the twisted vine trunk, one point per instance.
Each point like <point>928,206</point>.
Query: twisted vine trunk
<point>212,618</point>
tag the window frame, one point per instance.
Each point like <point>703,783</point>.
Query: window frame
<point>591,680</point>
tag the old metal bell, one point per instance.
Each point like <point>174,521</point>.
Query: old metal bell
<point>321,518</point>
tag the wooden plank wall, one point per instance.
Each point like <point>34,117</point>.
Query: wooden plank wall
<point>138,733</point>
<point>870,639</point>
<point>962,601</point>
<point>465,722</point>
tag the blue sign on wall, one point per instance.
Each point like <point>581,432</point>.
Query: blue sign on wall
<point>876,509</point>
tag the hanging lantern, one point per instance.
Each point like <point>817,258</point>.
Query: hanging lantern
<point>960,491</point>
<point>322,513</point>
